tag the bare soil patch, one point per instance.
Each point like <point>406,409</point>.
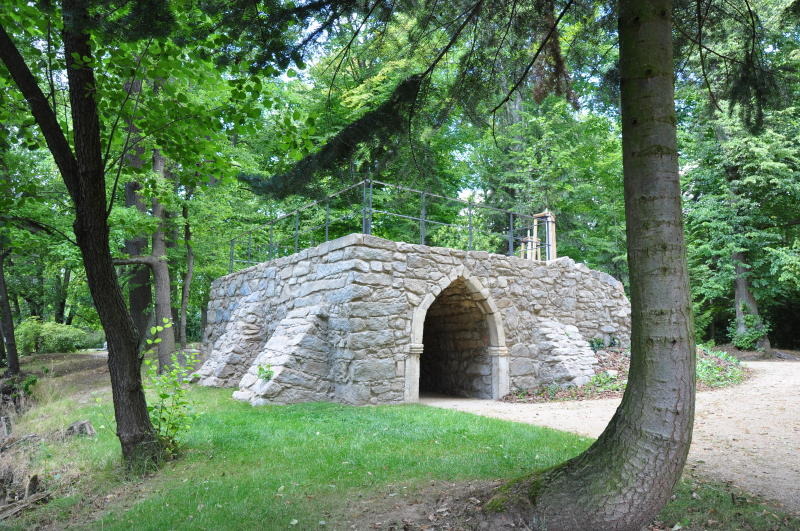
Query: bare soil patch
<point>747,435</point>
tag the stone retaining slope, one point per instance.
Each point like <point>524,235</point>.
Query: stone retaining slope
<point>349,321</point>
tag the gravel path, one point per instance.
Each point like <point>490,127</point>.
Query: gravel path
<point>747,434</point>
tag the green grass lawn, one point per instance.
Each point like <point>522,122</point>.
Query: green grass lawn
<point>246,467</point>
<point>280,467</point>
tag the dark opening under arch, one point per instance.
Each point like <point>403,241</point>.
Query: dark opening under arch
<point>456,358</point>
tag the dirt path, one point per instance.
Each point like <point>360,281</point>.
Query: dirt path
<point>748,434</point>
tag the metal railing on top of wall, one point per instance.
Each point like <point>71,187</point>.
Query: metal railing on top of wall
<point>398,213</point>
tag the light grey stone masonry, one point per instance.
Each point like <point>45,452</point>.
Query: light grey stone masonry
<point>365,320</point>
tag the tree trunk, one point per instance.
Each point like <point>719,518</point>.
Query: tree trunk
<point>3,359</point>
<point>61,295</point>
<point>187,278</point>
<point>84,177</point>
<point>139,288</point>
<point>161,274</point>
<point>6,321</point>
<point>627,475</point>
<point>745,302</point>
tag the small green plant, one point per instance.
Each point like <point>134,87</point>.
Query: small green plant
<point>27,384</point>
<point>717,368</point>
<point>552,390</point>
<point>597,343</point>
<point>170,408</point>
<point>606,381</point>
<point>265,372</point>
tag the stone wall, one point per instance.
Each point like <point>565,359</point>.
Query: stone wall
<point>346,321</point>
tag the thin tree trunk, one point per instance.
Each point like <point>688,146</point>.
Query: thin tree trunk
<point>61,295</point>
<point>83,174</point>
<point>627,475</point>
<point>139,288</point>
<point>161,274</point>
<point>6,321</point>
<point>187,278</point>
<point>3,360</point>
<point>745,302</point>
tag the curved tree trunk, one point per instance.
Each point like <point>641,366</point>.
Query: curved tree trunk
<point>627,476</point>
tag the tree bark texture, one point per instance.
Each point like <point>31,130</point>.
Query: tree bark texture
<point>6,321</point>
<point>83,174</point>
<point>61,295</point>
<point>160,267</point>
<point>743,298</point>
<point>187,278</point>
<point>139,288</point>
<point>627,475</point>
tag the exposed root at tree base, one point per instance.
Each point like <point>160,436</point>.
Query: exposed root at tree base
<point>442,505</point>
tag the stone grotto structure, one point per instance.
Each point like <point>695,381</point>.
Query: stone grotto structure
<point>363,320</point>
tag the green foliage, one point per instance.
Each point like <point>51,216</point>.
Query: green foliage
<point>606,381</point>
<point>169,406</point>
<point>717,368</point>
<point>34,336</point>
<point>26,385</point>
<point>755,329</point>
<point>265,372</point>
<point>597,343</point>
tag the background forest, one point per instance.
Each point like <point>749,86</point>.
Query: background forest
<point>207,139</point>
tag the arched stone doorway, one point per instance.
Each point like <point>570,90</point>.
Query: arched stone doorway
<point>458,344</point>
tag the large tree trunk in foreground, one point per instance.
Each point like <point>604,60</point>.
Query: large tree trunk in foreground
<point>134,429</point>
<point>6,321</point>
<point>745,302</point>
<point>627,476</point>
<point>84,177</point>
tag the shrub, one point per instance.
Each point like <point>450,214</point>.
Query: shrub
<point>35,336</point>
<point>755,329</point>
<point>169,408</point>
<point>717,368</point>
<point>27,335</point>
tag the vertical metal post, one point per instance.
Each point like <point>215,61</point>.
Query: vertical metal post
<point>230,265</point>
<point>548,246</point>
<point>250,249</point>
<point>510,234</point>
<point>469,218</point>
<point>364,207</point>
<point>271,253</point>
<point>296,231</point>
<point>327,217</point>
<point>423,212</point>
<point>369,208</point>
